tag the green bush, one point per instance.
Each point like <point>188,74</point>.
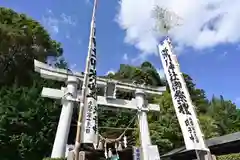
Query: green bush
<point>229,157</point>
<point>54,159</point>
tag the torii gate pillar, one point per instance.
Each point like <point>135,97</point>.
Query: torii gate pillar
<point>146,145</point>
<point>142,117</point>
<point>64,123</point>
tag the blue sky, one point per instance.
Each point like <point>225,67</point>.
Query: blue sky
<point>214,68</point>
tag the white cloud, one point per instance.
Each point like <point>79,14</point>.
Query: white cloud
<point>67,19</point>
<point>138,59</point>
<point>53,23</point>
<point>205,23</point>
<point>73,66</point>
<point>237,99</point>
<point>225,53</point>
<point>49,11</point>
<point>161,74</point>
<point>110,71</point>
<point>88,2</point>
<point>238,47</point>
<point>50,22</point>
<point>79,41</point>
<point>125,57</point>
<point>67,35</point>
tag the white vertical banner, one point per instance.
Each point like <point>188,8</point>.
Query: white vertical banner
<point>182,102</point>
<point>89,128</point>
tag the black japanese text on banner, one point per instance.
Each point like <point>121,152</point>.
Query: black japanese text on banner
<point>89,129</point>
<point>184,108</point>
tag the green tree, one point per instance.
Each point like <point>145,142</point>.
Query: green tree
<point>143,74</point>
<point>225,114</point>
<point>28,122</point>
<point>165,131</point>
<point>198,96</point>
<point>209,126</point>
<point>22,40</point>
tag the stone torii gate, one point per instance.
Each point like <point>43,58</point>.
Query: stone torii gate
<point>71,95</point>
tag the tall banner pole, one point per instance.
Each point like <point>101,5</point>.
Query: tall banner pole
<point>87,118</point>
<point>184,108</point>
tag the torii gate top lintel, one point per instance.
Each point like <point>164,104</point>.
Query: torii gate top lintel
<point>58,74</point>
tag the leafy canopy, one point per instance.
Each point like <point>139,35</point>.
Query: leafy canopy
<point>28,122</point>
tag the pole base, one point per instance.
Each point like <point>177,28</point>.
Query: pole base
<point>71,155</point>
<point>205,155</point>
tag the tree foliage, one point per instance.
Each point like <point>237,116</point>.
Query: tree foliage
<point>22,40</point>
<point>235,156</point>
<point>165,130</point>
<point>225,114</point>
<point>144,74</point>
<point>217,116</point>
<point>28,122</point>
